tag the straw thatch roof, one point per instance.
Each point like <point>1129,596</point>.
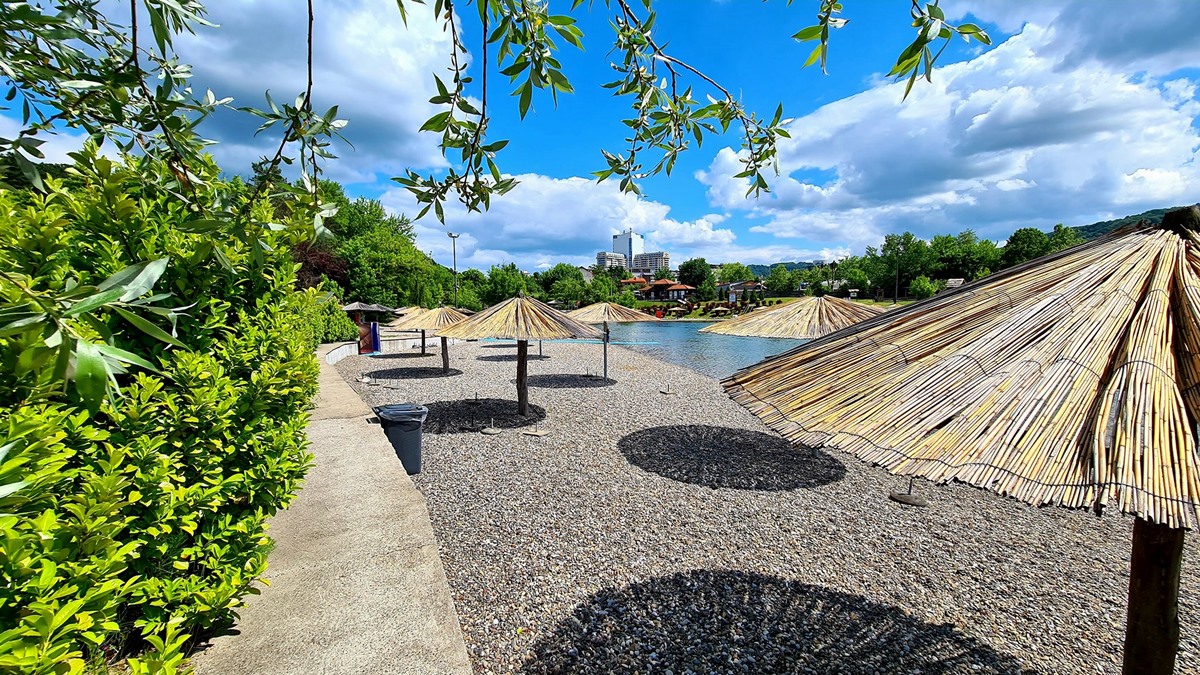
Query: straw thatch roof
<point>432,320</point>
<point>805,318</point>
<point>1070,380</point>
<point>520,318</point>
<point>608,311</point>
<point>406,313</point>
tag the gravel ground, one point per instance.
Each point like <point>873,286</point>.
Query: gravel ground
<point>675,533</point>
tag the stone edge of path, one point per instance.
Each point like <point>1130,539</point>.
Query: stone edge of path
<point>356,584</point>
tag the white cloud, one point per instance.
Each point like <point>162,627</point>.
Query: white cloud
<point>1007,139</point>
<point>365,61</point>
<point>56,145</point>
<point>540,222</point>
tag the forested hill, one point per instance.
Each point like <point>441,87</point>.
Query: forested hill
<point>763,270</point>
<point>1104,227</point>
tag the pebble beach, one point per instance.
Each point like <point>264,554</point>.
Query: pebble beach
<point>651,532</point>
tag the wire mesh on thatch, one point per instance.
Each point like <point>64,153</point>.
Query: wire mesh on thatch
<point>608,311</point>
<point>805,318</point>
<point>432,320</point>
<point>520,318</point>
<point>1069,380</point>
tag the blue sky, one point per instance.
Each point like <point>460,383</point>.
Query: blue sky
<point>1081,110</point>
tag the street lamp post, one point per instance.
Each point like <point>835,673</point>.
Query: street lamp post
<point>454,254</point>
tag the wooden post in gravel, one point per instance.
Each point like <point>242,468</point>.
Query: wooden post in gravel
<point>522,377</point>
<point>1152,624</point>
<point>422,343</point>
<point>445,356</point>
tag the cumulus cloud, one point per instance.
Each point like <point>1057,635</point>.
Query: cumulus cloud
<point>365,61</point>
<point>1011,138</point>
<point>542,220</point>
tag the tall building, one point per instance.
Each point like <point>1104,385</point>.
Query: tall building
<point>629,244</point>
<point>649,263</point>
<point>606,260</point>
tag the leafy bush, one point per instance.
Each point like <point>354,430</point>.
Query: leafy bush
<point>922,288</point>
<point>136,517</point>
<point>322,318</point>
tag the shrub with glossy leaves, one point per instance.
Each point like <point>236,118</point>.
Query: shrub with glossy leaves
<point>133,515</point>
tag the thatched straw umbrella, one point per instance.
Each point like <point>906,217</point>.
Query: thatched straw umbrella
<point>434,320</point>
<point>604,313</point>
<point>805,318</point>
<point>610,312</point>
<point>521,319</point>
<point>1071,380</point>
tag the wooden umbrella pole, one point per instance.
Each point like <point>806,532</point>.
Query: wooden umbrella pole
<point>422,343</point>
<point>445,356</point>
<point>522,377</point>
<point>1152,624</point>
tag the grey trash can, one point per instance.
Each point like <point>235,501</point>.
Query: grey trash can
<point>402,423</point>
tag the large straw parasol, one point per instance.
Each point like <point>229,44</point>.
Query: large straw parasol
<point>521,319</point>
<point>610,312</point>
<point>434,320</point>
<point>605,313</point>
<point>805,318</point>
<point>1071,380</point>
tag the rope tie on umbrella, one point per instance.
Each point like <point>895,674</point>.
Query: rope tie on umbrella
<point>968,357</point>
<point>1081,365</point>
<point>891,344</point>
<point>1153,365</point>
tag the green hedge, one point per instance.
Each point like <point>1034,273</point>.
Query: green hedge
<point>142,523</point>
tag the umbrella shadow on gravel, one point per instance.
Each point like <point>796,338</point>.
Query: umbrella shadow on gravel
<point>725,457</point>
<point>500,358</point>
<point>706,621</point>
<point>419,373</point>
<point>460,417</point>
<point>568,382</point>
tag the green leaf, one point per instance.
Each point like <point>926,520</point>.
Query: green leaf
<point>125,357</point>
<point>806,34</point>
<point>93,301</point>
<point>812,58</point>
<point>6,490</point>
<point>149,328</point>
<point>437,123</point>
<point>91,375</point>
<point>525,99</point>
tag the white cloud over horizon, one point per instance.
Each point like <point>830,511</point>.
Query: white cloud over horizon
<point>365,60</point>
<point>1011,138</point>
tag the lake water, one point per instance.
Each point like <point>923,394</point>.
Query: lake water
<point>681,342</point>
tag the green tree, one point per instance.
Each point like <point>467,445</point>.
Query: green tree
<point>662,273</point>
<point>601,289</point>
<point>569,292</point>
<point>922,288</point>
<point>707,290</point>
<point>905,257</point>
<point>504,282</point>
<point>626,298</point>
<point>1026,243</point>
<point>356,218</point>
<point>780,280</point>
<point>695,273</point>
<point>733,272</point>
<point>385,267</point>
<point>558,273</point>
<point>1064,237</point>
<point>855,278</point>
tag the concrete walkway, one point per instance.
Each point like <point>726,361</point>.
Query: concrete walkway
<point>356,585</point>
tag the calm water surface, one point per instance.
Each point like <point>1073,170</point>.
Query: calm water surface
<point>681,342</point>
